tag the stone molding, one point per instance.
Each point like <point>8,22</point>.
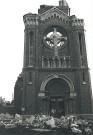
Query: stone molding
<point>61,76</point>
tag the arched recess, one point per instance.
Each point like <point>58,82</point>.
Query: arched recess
<point>63,77</point>
<point>67,100</point>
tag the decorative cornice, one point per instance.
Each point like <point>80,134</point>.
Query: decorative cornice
<point>34,19</point>
<point>54,13</point>
<point>56,69</point>
<point>62,69</point>
<point>54,9</point>
<point>31,19</point>
<point>78,22</point>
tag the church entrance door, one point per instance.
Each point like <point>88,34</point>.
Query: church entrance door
<point>57,106</point>
<point>57,101</point>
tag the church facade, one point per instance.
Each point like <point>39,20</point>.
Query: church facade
<point>55,76</point>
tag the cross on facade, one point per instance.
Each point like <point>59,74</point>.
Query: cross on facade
<point>55,39</point>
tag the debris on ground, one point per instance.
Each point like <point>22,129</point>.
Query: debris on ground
<point>72,124</point>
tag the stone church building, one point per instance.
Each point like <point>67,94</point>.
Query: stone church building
<point>55,76</point>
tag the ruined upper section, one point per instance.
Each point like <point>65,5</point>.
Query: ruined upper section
<point>46,13</point>
<point>76,21</point>
<point>54,13</point>
<point>63,6</point>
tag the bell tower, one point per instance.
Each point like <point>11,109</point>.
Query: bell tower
<point>55,71</point>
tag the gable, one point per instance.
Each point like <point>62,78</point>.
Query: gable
<point>54,12</point>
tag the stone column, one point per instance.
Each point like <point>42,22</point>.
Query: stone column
<point>48,62</point>
<point>59,61</point>
<point>54,64</point>
<point>69,64</point>
<point>42,61</point>
<point>64,62</point>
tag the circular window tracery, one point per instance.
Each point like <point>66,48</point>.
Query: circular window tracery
<point>55,37</point>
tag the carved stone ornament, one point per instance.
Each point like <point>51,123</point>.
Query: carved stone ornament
<point>55,38</point>
<point>54,12</point>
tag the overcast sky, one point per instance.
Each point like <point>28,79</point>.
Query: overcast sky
<point>12,36</point>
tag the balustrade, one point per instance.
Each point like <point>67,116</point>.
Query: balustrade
<point>62,62</point>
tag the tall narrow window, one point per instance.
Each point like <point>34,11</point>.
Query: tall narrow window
<point>56,63</point>
<point>45,62</point>
<point>50,62</point>
<point>80,42</point>
<point>83,77</point>
<point>84,80</point>
<point>30,48</point>
<point>31,61</point>
<point>30,77</point>
<point>31,38</point>
<point>82,61</point>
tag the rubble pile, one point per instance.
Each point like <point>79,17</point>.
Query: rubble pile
<point>5,116</point>
<point>70,124</point>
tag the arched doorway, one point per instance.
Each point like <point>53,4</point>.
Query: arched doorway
<point>56,99</point>
<point>57,91</point>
